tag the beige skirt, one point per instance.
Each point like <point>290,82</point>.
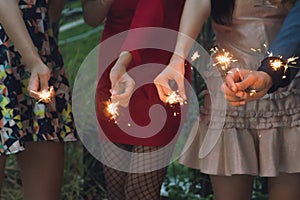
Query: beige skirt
<point>242,149</point>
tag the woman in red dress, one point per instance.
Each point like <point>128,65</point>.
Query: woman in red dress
<point>123,16</point>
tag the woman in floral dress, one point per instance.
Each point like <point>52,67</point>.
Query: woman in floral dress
<point>33,130</point>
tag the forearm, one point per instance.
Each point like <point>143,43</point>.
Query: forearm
<point>287,42</point>
<point>286,45</point>
<point>94,11</point>
<point>194,15</point>
<point>55,9</point>
<point>124,59</point>
<point>12,22</point>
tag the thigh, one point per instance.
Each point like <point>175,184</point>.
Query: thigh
<point>284,186</point>
<point>42,165</point>
<point>234,187</point>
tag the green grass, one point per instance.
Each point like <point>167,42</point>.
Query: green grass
<point>75,52</point>
<point>73,4</point>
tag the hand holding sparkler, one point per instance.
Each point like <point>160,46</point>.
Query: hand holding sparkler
<point>122,85</point>
<point>38,83</point>
<point>244,85</point>
<point>173,72</point>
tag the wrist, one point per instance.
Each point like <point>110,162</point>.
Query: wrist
<point>267,78</point>
<point>177,59</point>
<point>124,59</point>
<point>177,62</point>
<point>31,61</point>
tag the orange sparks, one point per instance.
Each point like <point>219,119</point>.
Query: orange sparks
<point>112,109</point>
<point>45,96</point>
<point>223,59</point>
<point>277,64</point>
<point>174,98</point>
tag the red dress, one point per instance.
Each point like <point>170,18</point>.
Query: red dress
<point>128,15</point>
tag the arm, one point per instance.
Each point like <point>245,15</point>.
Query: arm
<point>95,11</point>
<point>194,15</point>
<point>55,9</point>
<point>266,80</point>
<point>12,22</point>
<point>54,12</point>
<point>286,44</point>
<point>147,14</point>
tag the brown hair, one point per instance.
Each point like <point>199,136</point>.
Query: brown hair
<point>222,10</point>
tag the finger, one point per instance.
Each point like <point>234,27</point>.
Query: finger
<point>248,82</point>
<point>181,89</point>
<point>44,80</point>
<point>237,103</point>
<point>228,93</point>
<point>33,85</point>
<point>163,90</point>
<point>242,94</point>
<point>115,88</point>
<point>33,82</point>
<point>230,81</point>
<point>162,94</point>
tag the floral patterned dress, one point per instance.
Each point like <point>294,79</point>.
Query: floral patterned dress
<point>23,118</point>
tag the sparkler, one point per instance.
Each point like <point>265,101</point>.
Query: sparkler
<point>44,96</point>
<point>277,63</point>
<point>112,109</point>
<point>223,59</point>
<point>174,98</point>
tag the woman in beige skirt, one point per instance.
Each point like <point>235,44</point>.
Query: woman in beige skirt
<point>260,138</point>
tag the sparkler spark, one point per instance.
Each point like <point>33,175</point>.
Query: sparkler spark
<point>45,96</point>
<point>195,56</point>
<point>174,98</point>
<point>112,109</point>
<point>252,92</point>
<point>223,59</point>
<point>277,63</point>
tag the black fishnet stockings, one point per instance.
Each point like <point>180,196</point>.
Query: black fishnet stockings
<point>135,186</point>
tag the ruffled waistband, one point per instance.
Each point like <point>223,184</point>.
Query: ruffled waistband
<point>281,109</point>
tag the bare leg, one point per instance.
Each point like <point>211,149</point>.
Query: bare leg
<point>237,187</point>
<point>2,167</point>
<point>284,186</point>
<point>42,165</point>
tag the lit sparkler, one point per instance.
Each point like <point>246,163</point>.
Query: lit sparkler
<point>277,63</point>
<point>112,109</point>
<point>174,98</point>
<point>44,96</point>
<point>223,59</point>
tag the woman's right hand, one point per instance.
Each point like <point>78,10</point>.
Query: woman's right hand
<point>173,72</point>
<point>40,75</point>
